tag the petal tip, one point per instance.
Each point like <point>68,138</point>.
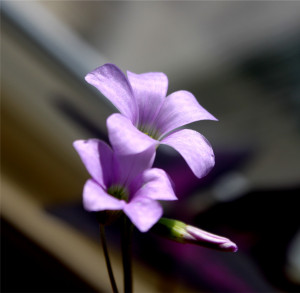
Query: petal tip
<point>77,144</point>
<point>88,77</point>
<point>213,118</point>
<point>230,247</point>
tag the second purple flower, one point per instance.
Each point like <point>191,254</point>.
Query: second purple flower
<point>125,183</point>
<point>149,117</point>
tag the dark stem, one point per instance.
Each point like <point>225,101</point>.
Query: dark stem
<point>126,254</point>
<point>108,265</point>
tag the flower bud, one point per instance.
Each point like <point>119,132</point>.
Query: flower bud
<point>183,233</point>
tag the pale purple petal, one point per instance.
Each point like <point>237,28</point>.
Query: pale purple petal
<point>150,90</point>
<point>202,237</point>
<point>194,148</point>
<point>156,185</point>
<point>180,108</point>
<point>131,166</point>
<point>97,157</point>
<point>95,198</point>
<point>143,212</point>
<point>125,138</point>
<point>114,85</point>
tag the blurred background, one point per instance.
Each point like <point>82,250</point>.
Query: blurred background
<point>241,59</point>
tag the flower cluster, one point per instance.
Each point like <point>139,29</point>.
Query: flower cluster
<point>122,177</point>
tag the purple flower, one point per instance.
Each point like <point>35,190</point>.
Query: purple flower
<point>123,183</point>
<point>149,118</point>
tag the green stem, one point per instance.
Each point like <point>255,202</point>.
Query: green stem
<point>126,254</point>
<point>108,265</point>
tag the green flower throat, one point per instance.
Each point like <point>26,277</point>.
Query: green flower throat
<point>118,192</point>
<point>149,130</point>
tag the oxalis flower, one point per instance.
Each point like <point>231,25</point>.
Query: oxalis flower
<point>123,183</point>
<point>149,118</point>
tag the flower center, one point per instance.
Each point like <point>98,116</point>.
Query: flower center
<point>118,191</point>
<point>149,130</point>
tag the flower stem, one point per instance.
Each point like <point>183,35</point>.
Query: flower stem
<point>108,265</point>
<point>126,254</point>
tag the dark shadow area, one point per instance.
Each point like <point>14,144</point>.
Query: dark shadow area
<point>263,223</point>
<point>26,267</point>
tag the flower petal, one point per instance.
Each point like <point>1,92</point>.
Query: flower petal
<point>143,212</point>
<point>125,138</point>
<point>194,148</point>
<point>180,108</point>
<point>156,185</point>
<point>150,90</point>
<point>114,85</point>
<point>131,166</point>
<point>97,156</point>
<point>95,198</point>
<point>205,238</point>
